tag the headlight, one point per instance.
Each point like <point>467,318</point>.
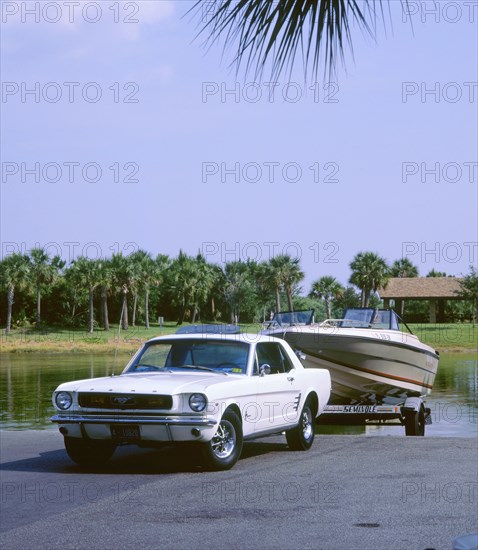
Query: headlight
<point>197,402</point>
<point>63,400</point>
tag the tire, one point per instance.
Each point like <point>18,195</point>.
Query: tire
<point>415,422</point>
<point>88,452</point>
<point>302,436</point>
<point>225,448</point>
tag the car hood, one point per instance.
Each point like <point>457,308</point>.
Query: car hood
<point>163,382</point>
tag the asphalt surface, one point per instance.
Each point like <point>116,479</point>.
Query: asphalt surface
<point>347,492</point>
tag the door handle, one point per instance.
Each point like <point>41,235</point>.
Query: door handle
<point>290,378</point>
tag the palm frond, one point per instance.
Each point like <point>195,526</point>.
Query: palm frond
<point>276,31</point>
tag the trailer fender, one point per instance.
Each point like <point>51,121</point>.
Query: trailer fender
<point>413,404</point>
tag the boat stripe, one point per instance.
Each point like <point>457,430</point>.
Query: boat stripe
<point>376,373</point>
<point>409,347</point>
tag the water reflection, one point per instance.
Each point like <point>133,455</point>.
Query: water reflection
<point>27,381</point>
<point>453,402</point>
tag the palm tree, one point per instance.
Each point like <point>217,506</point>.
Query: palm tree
<point>403,268</point>
<point>469,290</point>
<point>14,274</point>
<point>86,274</point>
<point>280,30</point>
<point>434,273</point>
<point>44,271</point>
<point>124,279</point>
<point>285,272</point>
<point>217,284</point>
<point>137,260</point>
<point>178,280</point>
<point>156,278</point>
<point>265,286</point>
<point>369,273</point>
<point>190,281</point>
<point>202,281</point>
<point>238,287</point>
<point>147,272</point>
<point>106,283</point>
<point>274,274</point>
<point>326,288</point>
<point>349,298</point>
<point>292,276</point>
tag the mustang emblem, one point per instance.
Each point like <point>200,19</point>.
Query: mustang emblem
<point>122,400</point>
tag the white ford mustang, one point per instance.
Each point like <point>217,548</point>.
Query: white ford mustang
<point>212,389</point>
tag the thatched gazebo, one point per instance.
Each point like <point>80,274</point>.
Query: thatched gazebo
<point>437,290</point>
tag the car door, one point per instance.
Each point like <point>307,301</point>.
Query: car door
<point>277,393</point>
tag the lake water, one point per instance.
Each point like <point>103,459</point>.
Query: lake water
<point>27,381</point>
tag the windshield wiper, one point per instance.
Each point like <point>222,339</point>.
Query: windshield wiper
<point>199,367</point>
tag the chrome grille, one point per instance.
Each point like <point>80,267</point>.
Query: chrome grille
<point>124,401</point>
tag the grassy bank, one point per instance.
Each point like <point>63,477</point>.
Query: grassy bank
<point>69,339</point>
<point>448,337</point>
<point>443,337</point>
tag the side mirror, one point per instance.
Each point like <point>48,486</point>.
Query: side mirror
<point>300,355</point>
<point>264,369</point>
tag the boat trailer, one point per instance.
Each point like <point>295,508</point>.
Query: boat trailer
<point>412,414</point>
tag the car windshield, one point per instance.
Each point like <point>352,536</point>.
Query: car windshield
<point>176,355</point>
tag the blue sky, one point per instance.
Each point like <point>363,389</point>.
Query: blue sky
<point>382,159</point>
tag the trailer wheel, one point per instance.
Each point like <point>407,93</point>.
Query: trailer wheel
<point>415,422</point>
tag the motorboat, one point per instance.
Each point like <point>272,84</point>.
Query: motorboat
<point>371,359</point>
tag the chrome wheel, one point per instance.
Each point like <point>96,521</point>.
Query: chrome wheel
<point>224,449</point>
<point>307,426</point>
<point>301,437</point>
<point>224,442</point>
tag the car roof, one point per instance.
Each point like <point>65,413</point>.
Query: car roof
<point>245,337</point>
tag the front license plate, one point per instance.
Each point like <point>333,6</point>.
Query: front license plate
<point>125,432</point>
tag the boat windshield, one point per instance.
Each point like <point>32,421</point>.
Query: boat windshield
<point>370,318</point>
<point>287,318</point>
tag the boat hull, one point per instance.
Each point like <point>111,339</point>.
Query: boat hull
<point>376,366</point>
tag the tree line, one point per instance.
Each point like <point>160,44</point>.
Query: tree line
<point>38,289</point>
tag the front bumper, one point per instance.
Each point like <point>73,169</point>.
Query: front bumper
<point>152,428</point>
<point>160,420</point>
